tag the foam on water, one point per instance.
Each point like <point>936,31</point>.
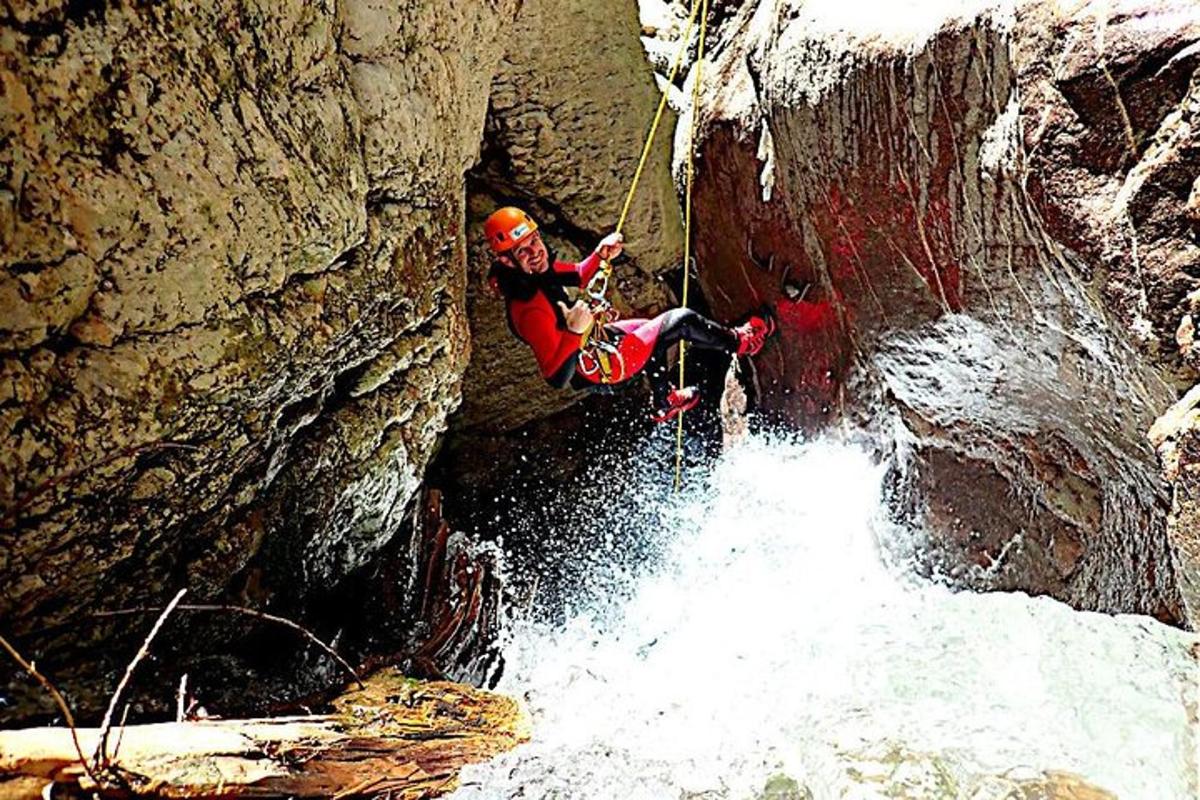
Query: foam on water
<point>770,637</point>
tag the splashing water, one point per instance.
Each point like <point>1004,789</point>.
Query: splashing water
<point>770,638</point>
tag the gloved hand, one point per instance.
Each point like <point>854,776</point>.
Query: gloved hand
<point>610,246</point>
<point>579,316</point>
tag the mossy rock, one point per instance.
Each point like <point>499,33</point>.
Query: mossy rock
<point>783,787</point>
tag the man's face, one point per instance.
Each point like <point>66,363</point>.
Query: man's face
<point>530,256</point>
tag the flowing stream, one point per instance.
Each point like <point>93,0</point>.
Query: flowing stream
<point>771,634</point>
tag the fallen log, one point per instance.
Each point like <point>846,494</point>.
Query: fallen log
<point>395,736</point>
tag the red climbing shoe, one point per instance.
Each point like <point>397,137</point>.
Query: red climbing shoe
<point>678,401</point>
<point>752,333</point>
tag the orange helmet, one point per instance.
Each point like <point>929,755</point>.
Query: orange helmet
<point>507,227</point>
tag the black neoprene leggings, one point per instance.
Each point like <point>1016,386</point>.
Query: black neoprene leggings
<point>683,324</point>
<point>678,324</point>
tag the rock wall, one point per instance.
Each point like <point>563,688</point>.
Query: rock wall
<point>912,190</point>
<point>1110,110</point>
<point>1176,435</point>
<point>233,290</point>
<point>235,287</point>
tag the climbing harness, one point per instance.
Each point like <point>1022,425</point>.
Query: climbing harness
<point>599,355</point>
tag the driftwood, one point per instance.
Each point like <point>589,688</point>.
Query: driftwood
<point>394,736</point>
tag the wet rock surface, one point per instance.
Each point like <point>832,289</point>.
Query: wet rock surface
<point>954,225</point>
<point>893,771</point>
<point>1176,435</point>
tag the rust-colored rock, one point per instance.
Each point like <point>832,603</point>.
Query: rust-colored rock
<point>1111,125</point>
<point>928,200</point>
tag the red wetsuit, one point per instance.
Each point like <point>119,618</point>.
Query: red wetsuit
<point>534,316</point>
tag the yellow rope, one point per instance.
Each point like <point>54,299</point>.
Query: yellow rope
<point>586,340</point>
<point>687,220</point>
<point>658,115</point>
<point>698,7</point>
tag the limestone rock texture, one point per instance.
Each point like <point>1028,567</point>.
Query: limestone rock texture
<point>571,105</point>
<point>977,224</point>
<point>239,281</point>
<point>233,290</point>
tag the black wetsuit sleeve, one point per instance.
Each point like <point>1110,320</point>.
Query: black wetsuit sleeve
<point>561,377</point>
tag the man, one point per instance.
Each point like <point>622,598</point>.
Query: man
<point>541,314</point>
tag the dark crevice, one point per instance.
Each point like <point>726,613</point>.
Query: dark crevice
<point>345,381</point>
<point>75,13</point>
<point>36,267</point>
